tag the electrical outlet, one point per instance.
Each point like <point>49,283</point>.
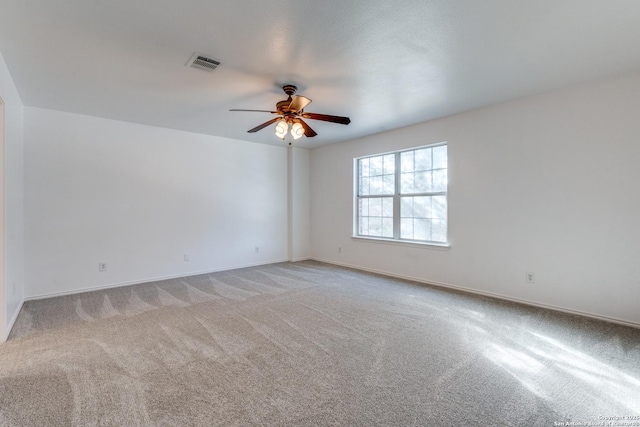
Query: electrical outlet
<point>339,249</point>
<point>257,249</point>
<point>530,277</point>
<point>102,266</point>
<point>186,257</point>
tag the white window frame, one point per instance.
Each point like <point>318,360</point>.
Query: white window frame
<point>397,197</point>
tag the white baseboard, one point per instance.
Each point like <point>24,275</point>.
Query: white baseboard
<point>12,322</point>
<point>485,293</point>
<point>299,259</point>
<point>356,267</point>
<point>154,279</point>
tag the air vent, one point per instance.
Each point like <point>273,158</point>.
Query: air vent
<point>202,62</point>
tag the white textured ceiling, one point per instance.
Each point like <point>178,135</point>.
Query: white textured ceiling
<point>384,63</point>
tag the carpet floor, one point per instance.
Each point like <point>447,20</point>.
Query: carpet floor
<point>310,344</point>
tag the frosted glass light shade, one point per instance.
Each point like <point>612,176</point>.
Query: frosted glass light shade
<point>297,131</point>
<point>281,128</point>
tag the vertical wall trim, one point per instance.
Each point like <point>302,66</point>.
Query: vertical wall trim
<point>290,203</point>
<point>3,234</point>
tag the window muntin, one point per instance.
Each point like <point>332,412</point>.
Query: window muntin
<point>403,195</point>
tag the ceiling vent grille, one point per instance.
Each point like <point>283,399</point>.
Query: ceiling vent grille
<point>202,62</point>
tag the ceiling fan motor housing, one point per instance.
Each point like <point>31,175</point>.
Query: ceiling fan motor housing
<point>283,106</point>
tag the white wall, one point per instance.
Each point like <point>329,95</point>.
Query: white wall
<point>12,189</point>
<point>299,193</point>
<point>547,184</point>
<point>139,197</point>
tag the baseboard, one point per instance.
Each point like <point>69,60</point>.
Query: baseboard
<point>485,293</point>
<point>12,321</point>
<point>148,280</point>
<point>299,259</point>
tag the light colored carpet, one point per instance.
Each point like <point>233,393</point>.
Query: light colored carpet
<point>309,344</point>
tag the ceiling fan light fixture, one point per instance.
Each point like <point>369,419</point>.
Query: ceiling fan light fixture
<point>291,112</point>
<point>297,131</point>
<point>282,128</point>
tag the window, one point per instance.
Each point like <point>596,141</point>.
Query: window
<point>403,195</point>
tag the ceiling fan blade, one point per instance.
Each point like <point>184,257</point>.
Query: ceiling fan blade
<point>327,118</point>
<point>299,102</point>
<point>308,132</point>
<point>257,111</point>
<point>264,125</point>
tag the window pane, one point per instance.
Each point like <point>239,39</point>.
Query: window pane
<point>389,164</point>
<point>364,167</point>
<point>422,229</point>
<point>375,207</point>
<point>379,185</point>
<point>387,227</point>
<point>439,207</point>
<point>422,182</point>
<point>363,207</point>
<point>389,183</point>
<point>417,215</point>
<point>375,165</point>
<point>406,161</point>
<point>406,228</point>
<point>423,159</point>
<point>440,180</point>
<point>406,183</point>
<point>439,230</point>
<point>364,186</point>
<point>422,207</point>
<point>375,226</point>
<point>375,217</point>
<point>387,207</point>
<point>363,228</point>
<point>376,185</point>
<point>440,157</point>
<point>406,207</point>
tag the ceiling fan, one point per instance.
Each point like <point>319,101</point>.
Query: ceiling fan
<point>291,112</point>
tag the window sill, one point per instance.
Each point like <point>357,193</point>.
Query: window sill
<point>430,245</point>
